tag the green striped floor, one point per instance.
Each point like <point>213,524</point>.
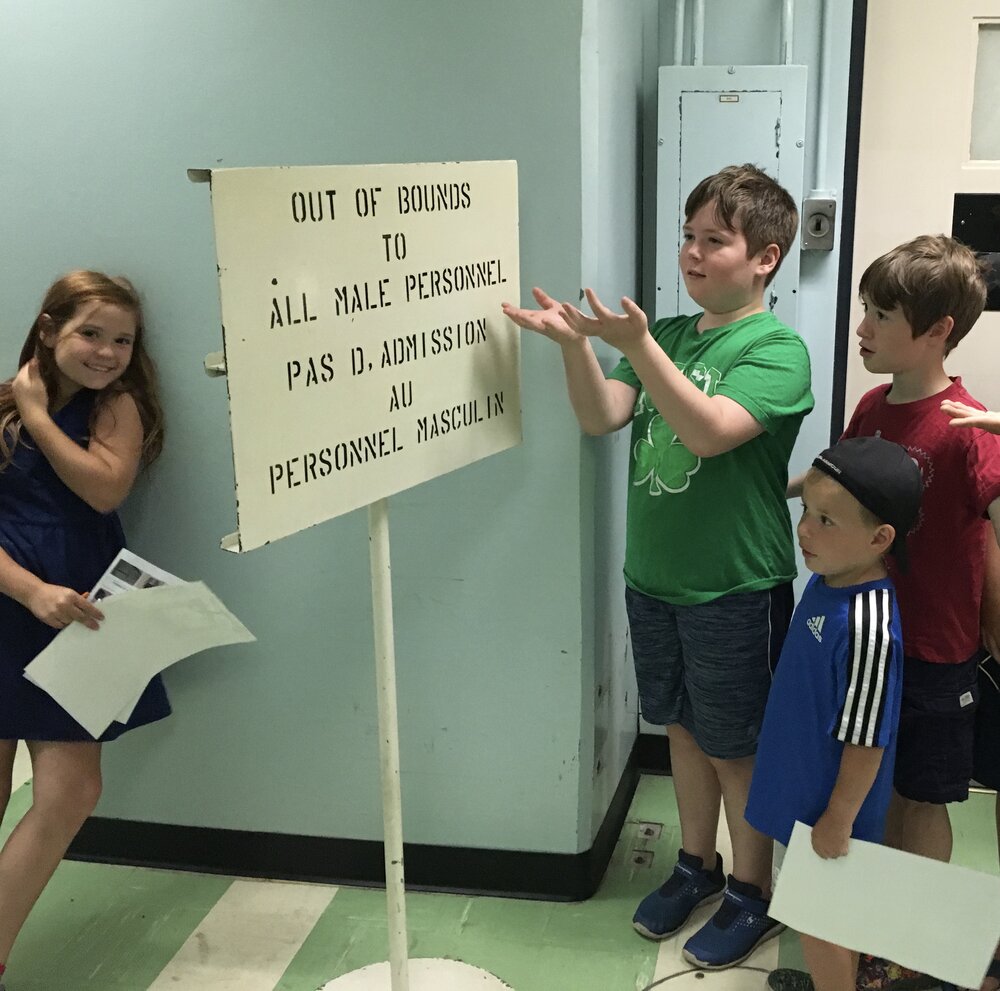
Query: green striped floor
<point>103,928</point>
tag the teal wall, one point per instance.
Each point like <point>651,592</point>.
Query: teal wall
<point>517,703</point>
<point>105,104</point>
<point>618,53</point>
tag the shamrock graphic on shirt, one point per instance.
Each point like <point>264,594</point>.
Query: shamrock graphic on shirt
<point>661,460</point>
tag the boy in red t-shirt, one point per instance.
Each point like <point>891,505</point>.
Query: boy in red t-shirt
<point>920,300</point>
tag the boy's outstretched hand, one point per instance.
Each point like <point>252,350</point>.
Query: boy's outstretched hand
<point>968,416</point>
<point>550,320</point>
<point>620,330</point>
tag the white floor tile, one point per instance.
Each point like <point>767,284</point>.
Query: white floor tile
<point>248,939</point>
<point>669,960</point>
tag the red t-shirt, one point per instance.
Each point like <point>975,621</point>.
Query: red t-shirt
<point>939,596</point>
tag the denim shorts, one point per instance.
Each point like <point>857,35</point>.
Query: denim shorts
<point>708,667</point>
<point>937,722</point>
<point>986,757</point>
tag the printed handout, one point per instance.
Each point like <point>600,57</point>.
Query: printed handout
<point>128,572</point>
<point>99,676</point>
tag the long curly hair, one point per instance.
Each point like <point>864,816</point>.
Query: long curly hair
<point>60,304</point>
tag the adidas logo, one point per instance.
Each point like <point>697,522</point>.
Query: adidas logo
<point>816,627</point>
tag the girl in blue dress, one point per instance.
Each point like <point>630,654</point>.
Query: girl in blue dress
<point>76,424</point>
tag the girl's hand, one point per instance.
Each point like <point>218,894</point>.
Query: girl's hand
<point>29,391</point>
<point>831,837</point>
<point>57,606</point>
<point>549,321</point>
<point>967,416</point>
<point>620,330</point>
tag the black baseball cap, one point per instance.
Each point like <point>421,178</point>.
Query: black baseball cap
<point>884,478</point>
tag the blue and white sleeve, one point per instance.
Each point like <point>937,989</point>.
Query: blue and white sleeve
<point>866,688</point>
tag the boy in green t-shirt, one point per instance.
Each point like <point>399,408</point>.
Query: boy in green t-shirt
<point>716,401</point>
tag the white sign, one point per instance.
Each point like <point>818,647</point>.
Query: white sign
<point>365,347</point>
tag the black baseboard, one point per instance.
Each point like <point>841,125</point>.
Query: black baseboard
<point>652,753</point>
<point>510,873</point>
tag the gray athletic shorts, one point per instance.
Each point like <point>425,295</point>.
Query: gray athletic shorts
<point>708,667</point>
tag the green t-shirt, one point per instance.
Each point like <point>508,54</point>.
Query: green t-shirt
<point>700,528</point>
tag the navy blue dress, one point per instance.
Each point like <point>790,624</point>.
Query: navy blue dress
<point>52,532</point>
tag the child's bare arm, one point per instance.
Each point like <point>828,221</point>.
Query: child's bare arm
<point>705,425</point>
<point>858,770</point>
<point>989,610</point>
<point>103,473</point>
<point>601,405</point>
<point>794,488</point>
<point>968,416</point>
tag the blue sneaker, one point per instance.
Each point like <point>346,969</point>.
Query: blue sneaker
<point>662,912</point>
<point>739,926</point>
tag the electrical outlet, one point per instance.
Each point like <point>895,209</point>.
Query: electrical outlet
<point>642,858</point>
<point>819,215</point>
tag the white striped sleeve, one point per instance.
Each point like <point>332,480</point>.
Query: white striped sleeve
<point>869,654</point>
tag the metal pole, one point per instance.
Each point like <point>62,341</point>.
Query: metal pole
<point>698,50</point>
<point>679,6</point>
<point>388,732</point>
<point>787,31</point>
<point>823,97</point>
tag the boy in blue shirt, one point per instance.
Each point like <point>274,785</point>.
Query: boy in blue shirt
<point>826,749</point>
<point>715,401</point>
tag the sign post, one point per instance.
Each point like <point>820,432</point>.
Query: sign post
<point>388,740</point>
<point>365,352</point>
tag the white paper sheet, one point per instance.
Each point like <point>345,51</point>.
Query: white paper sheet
<point>940,919</point>
<point>94,675</point>
<point>129,707</point>
<point>127,573</point>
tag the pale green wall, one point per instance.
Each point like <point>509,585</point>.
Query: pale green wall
<point>105,104</point>
<point>507,574</point>
<point>618,53</point>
